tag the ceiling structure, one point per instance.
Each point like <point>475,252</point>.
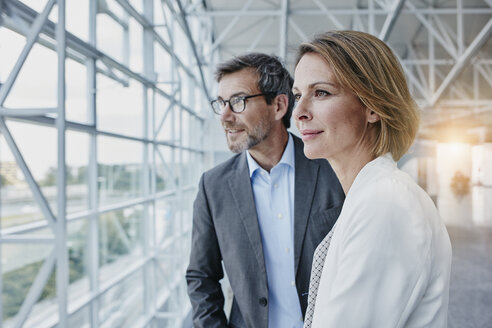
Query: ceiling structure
<point>444,45</point>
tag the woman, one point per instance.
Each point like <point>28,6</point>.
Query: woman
<point>387,261</point>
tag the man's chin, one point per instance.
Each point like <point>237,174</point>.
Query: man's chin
<point>236,148</point>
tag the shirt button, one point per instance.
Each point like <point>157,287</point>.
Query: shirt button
<point>287,250</point>
<point>292,283</point>
<point>280,215</point>
<point>263,301</point>
<point>275,186</point>
<point>262,173</point>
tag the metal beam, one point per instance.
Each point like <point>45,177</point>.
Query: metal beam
<point>390,21</point>
<point>284,24</point>
<point>26,111</point>
<point>36,191</point>
<point>340,11</point>
<point>31,38</point>
<point>329,14</point>
<point>298,30</point>
<point>61,225</point>
<point>229,26</point>
<point>35,290</point>
<point>193,48</point>
<point>260,35</point>
<point>475,46</point>
<point>449,48</point>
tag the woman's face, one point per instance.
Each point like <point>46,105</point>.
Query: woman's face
<point>332,121</point>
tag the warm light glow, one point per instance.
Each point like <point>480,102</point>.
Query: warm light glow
<point>455,148</point>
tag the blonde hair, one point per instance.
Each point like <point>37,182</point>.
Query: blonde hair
<point>368,67</point>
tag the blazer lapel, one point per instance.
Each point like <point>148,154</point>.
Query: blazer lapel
<point>306,174</point>
<point>242,193</point>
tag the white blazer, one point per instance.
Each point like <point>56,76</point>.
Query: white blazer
<point>389,260</point>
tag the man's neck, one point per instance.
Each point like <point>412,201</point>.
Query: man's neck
<point>269,152</point>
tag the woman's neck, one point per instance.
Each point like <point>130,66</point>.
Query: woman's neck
<point>347,166</point>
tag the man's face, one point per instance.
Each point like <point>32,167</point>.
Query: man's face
<point>249,128</point>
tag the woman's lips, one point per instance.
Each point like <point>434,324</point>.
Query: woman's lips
<point>309,134</point>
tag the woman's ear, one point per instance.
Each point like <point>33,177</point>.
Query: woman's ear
<point>281,103</point>
<point>372,117</point>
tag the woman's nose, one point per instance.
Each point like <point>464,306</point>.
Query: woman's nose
<point>301,112</point>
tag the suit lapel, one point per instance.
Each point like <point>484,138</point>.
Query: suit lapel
<point>306,175</point>
<point>242,193</point>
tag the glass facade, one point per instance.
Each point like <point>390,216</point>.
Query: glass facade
<point>100,154</point>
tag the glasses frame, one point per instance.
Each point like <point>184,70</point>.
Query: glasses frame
<point>242,99</point>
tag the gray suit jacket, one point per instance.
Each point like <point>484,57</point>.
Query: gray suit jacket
<point>225,228</point>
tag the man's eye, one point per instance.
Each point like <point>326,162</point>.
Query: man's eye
<point>234,100</point>
<point>321,93</point>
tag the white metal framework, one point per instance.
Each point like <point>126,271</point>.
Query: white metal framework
<point>444,45</point>
<point>103,243</point>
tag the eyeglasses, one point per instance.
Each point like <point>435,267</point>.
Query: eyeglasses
<point>237,103</point>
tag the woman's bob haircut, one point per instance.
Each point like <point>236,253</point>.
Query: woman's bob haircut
<point>366,66</point>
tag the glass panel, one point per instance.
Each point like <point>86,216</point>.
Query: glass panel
<point>163,112</point>
<point>18,203</point>
<point>187,89</point>
<point>78,257</point>
<point>20,266</point>
<point>120,240</point>
<point>77,159</point>
<point>80,319</point>
<point>77,21</point>
<point>161,21</point>
<point>137,4</point>
<point>122,305</point>
<point>181,44</point>
<point>162,67</point>
<point>164,220</point>
<point>110,38</point>
<point>186,168</point>
<point>120,108</point>
<point>37,5</point>
<point>31,91</point>
<point>165,176</point>
<point>185,123</point>
<point>136,46</point>
<point>11,45</point>
<point>119,170</point>
<point>76,101</point>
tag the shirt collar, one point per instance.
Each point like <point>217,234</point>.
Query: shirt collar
<point>288,158</point>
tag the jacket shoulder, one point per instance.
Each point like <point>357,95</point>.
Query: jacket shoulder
<point>222,170</point>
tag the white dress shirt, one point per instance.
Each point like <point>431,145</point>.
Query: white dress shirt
<point>274,200</point>
<point>389,260</point>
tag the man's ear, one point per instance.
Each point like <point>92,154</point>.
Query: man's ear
<point>372,117</point>
<point>281,103</point>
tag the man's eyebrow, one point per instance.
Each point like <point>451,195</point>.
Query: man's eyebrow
<point>237,94</point>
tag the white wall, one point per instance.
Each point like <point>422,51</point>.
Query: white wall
<point>451,158</point>
<point>482,184</point>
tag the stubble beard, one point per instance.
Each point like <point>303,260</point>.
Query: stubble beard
<point>253,137</point>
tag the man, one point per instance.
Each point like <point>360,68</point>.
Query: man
<point>263,212</point>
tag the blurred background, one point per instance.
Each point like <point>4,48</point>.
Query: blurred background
<point>105,128</point>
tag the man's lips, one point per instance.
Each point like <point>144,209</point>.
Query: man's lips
<point>233,131</point>
<point>310,134</point>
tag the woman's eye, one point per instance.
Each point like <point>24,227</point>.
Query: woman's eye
<point>297,97</point>
<point>321,93</point>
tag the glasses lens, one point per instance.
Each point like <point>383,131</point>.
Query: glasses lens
<point>218,105</point>
<point>237,104</point>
